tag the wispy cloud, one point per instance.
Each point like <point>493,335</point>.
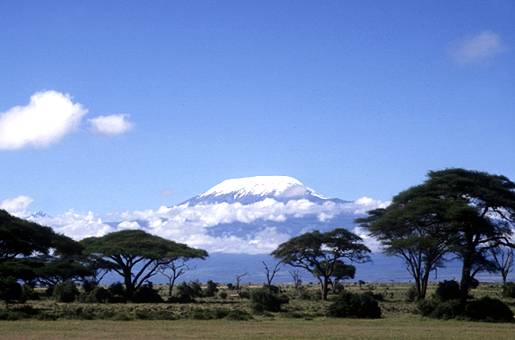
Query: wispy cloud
<point>111,125</point>
<point>48,117</point>
<point>479,48</point>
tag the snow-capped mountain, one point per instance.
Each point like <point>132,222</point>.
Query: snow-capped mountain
<point>250,190</point>
<point>251,215</point>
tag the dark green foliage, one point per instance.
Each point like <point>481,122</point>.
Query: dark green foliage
<point>508,290</point>
<point>117,288</point>
<point>187,292</point>
<point>146,294</point>
<point>411,294</point>
<point>447,290</point>
<point>245,294</point>
<point>484,309</point>
<point>448,309</point>
<point>230,286</point>
<point>211,288</point>
<point>488,309</point>
<point>89,286</point>
<point>262,300</point>
<point>222,295</point>
<point>127,248</point>
<point>98,295</point>
<point>10,290</point>
<point>29,293</point>
<point>351,305</point>
<point>65,292</point>
<point>319,253</point>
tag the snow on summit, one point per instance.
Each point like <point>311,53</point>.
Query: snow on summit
<point>283,186</point>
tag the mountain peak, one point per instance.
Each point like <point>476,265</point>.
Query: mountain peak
<point>252,189</point>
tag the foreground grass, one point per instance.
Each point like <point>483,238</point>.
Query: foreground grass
<point>405,327</point>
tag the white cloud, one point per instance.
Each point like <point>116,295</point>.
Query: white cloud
<point>191,224</point>
<point>16,206</point>
<point>48,117</point>
<point>373,244</point>
<point>111,125</point>
<point>478,48</point>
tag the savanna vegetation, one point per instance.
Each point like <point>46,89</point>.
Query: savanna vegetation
<point>455,213</point>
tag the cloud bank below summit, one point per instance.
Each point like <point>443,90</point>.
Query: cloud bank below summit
<point>191,224</point>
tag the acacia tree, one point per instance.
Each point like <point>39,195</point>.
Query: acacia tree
<point>412,228</point>
<point>481,216</point>
<point>319,253</point>
<point>503,258</point>
<point>137,255</point>
<point>270,273</point>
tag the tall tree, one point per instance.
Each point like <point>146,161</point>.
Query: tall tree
<point>319,253</point>
<point>412,228</point>
<point>137,255</point>
<point>483,216</point>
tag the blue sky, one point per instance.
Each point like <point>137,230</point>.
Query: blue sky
<point>352,98</point>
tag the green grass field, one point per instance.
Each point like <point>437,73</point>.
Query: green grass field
<point>301,319</point>
<point>402,327</point>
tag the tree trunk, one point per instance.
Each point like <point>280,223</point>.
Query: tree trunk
<point>129,286</point>
<point>325,288</point>
<point>465,277</point>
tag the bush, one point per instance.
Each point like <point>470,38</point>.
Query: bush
<point>98,295</point>
<point>211,289</point>
<point>117,288</point>
<point>448,290</point>
<point>355,305</point>
<point>146,294</point>
<point>29,293</point>
<point>262,300</point>
<point>449,309</point>
<point>88,286</point>
<point>411,294</point>
<point>426,307</point>
<point>187,292</point>
<point>222,295</point>
<point>10,290</point>
<point>488,309</point>
<point>65,292</point>
<point>508,290</point>
<point>244,294</point>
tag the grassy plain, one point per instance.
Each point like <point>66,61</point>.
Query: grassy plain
<point>301,319</point>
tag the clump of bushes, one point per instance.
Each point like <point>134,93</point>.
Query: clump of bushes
<point>118,293</point>
<point>65,292</point>
<point>448,290</point>
<point>263,299</point>
<point>186,292</point>
<point>222,295</point>
<point>411,294</point>
<point>10,290</point>
<point>352,305</point>
<point>488,309</point>
<point>508,290</point>
<point>146,294</point>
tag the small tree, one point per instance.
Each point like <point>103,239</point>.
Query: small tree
<point>270,273</point>
<point>503,258</point>
<point>297,280</point>
<point>318,253</point>
<point>172,271</point>
<point>238,280</point>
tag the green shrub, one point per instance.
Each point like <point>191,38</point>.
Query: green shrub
<point>449,309</point>
<point>118,293</point>
<point>10,290</point>
<point>146,294</point>
<point>65,292</point>
<point>355,305</point>
<point>89,286</point>
<point>211,289</point>
<point>508,290</point>
<point>9,315</point>
<point>488,309</point>
<point>29,293</point>
<point>186,293</point>
<point>262,300</point>
<point>222,295</point>
<point>411,294</point>
<point>448,290</point>
<point>98,295</point>
<point>426,307</point>
<point>122,316</point>
<point>244,294</point>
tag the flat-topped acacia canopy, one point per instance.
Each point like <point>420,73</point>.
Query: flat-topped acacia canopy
<point>128,248</point>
